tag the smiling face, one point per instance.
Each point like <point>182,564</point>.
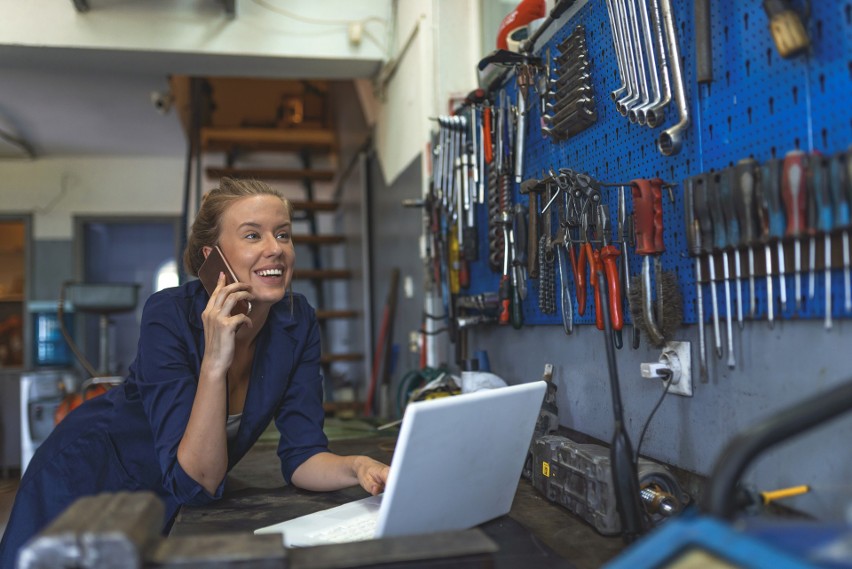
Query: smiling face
<point>255,237</point>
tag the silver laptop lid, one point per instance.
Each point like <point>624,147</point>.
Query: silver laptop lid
<point>458,460</point>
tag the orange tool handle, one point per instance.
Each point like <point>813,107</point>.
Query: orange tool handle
<point>505,297</point>
<point>794,191</point>
<point>464,274</point>
<point>486,128</point>
<point>595,267</point>
<point>648,215</point>
<point>609,257</point>
<point>580,279</point>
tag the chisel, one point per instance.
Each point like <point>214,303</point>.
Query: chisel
<point>794,193</point>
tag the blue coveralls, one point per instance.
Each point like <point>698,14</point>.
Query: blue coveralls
<point>127,439</point>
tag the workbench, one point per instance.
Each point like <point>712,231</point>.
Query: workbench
<point>535,533</point>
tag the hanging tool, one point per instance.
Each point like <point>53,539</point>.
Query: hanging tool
<point>532,187</point>
<point>505,290</point>
<point>607,259</point>
<point>725,187</point>
<point>624,230</point>
<point>776,225</point>
<point>693,239</point>
<point>562,244</point>
<point>546,277</point>
<point>648,216</point>
<point>841,194</point>
<point>786,27</point>
<point>763,194</point>
<point>703,42</point>
<point>744,174</point>
<point>720,243</point>
<point>520,236</point>
<point>795,195</point>
<point>701,189</point>
<point>818,178</point>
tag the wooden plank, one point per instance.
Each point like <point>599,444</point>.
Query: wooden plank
<point>271,174</point>
<point>213,138</point>
<point>329,358</point>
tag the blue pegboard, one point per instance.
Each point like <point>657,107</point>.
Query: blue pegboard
<point>758,105</point>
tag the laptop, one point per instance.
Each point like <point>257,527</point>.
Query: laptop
<point>457,464</point>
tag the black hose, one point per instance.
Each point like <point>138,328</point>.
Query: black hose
<point>721,498</point>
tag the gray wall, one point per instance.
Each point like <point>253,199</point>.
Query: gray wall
<point>776,368</point>
<point>396,231</point>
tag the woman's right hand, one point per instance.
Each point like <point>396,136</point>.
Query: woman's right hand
<point>220,327</point>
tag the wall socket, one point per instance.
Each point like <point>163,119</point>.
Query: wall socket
<point>677,359</point>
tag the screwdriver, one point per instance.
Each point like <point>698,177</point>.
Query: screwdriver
<point>819,174</point>
<point>744,197</point>
<point>794,193</point>
<point>693,239</point>
<point>841,194</point>
<point>701,204</point>
<point>725,187</point>
<point>721,240</point>
<point>770,183</point>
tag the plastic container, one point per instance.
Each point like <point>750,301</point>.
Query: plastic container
<point>49,346</point>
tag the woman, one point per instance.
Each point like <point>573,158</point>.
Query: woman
<point>205,384</point>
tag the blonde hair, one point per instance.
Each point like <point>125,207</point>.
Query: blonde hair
<point>206,227</point>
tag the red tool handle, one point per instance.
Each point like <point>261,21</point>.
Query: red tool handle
<point>609,256</point>
<point>486,128</point>
<point>594,266</point>
<point>794,191</point>
<point>580,278</point>
<point>505,296</point>
<point>648,215</point>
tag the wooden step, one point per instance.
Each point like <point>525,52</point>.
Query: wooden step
<point>331,314</point>
<point>223,139</point>
<point>313,205</point>
<point>271,174</point>
<point>318,274</point>
<point>318,239</point>
<point>329,358</point>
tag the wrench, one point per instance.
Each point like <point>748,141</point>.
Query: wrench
<point>671,139</point>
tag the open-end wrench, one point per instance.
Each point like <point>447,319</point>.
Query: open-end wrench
<point>583,115</point>
<point>568,105</point>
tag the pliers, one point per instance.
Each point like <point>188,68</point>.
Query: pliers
<point>602,260</point>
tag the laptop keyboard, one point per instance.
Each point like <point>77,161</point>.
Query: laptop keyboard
<point>357,529</point>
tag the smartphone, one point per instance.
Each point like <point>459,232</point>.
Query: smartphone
<point>208,273</point>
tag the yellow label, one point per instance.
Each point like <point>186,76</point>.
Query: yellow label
<point>545,469</point>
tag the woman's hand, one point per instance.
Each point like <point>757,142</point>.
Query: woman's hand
<point>372,474</point>
<point>220,327</point>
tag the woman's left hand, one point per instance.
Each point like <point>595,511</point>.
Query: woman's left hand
<point>372,474</point>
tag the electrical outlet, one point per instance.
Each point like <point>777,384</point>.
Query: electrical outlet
<point>676,358</point>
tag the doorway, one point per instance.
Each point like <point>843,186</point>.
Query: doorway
<point>125,250</point>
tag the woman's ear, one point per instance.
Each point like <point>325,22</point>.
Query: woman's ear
<point>206,251</point>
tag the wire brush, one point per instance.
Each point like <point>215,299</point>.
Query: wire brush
<point>672,307</point>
